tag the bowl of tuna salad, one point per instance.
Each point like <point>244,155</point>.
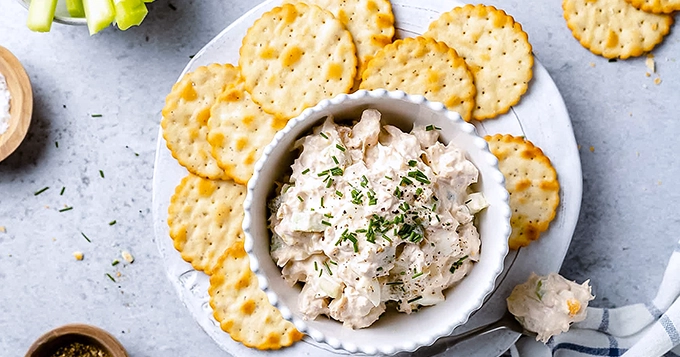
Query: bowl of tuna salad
<point>377,222</point>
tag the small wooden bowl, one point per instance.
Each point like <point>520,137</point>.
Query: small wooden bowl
<point>21,102</point>
<point>47,344</point>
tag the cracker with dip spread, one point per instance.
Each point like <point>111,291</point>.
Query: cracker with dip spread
<point>615,28</point>
<point>532,183</point>
<point>423,66</point>
<point>370,22</point>
<point>186,114</point>
<point>294,56</point>
<point>205,218</point>
<point>242,308</point>
<point>496,50</point>
<point>656,6</point>
<point>238,131</point>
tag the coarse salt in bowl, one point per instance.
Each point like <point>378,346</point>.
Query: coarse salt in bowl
<point>393,332</point>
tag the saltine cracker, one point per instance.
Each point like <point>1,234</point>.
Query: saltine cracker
<point>238,132</point>
<point>242,308</point>
<point>615,28</point>
<point>656,6</point>
<point>205,218</point>
<point>532,183</point>
<point>186,114</point>
<point>294,56</point>
<point>496,50</point>
<point>423,66</point>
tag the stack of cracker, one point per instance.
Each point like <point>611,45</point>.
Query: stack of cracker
<point>217,119</point>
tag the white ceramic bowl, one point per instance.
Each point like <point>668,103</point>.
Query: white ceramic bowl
<point>393,332</point>
<point>61,15</point>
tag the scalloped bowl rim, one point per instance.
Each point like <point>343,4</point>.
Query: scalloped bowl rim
<point>494,265</point>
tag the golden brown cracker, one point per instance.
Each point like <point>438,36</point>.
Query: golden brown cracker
<point>532,183</point>
<point>496,50</point>
<point>238,132</point>
<point>371,23</point>
<point>294,56</point>
<point>186,114</point>
<point>242,309</point>
<point>615,28</point>
<point>656,6</point>
<point>205,218</point>
<point>426,67</point>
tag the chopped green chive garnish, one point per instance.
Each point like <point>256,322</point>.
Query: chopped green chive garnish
<point>457,264</point>
<point>323,135</point>
<point>66,209</point>
<point>329,183</point>
<point>335,160</point>
<point>419,176</point>
<point>336,171</point>
<point>397,192</point>
<point>404,206</point>
<point>326,223</point>
<point>419,190</point>
<point>321,201</point>
<point>434,207</point>
<point>412,163</point>
<point>372,200</point>
<point>96,115</point>
<point>328,268</point>
<point>414,299</point>
<point>338,193</point>
<point>316,266</point>
<point>41,191</point>
<point>101,173</point>
<point>301,199</point>
<point>387,177</point>
<point>112,222</point>
<point>395,283</point>
<point>110,277</point>
<point>362,230</point>
<point>320,272</point>
<point>417,275</point>
<point>357,197</point>
<point>62,191</point>
<point>432,127</point>
<point>115,262</point>
<point>328,215</point>
<point>385,237</point>
<point>364,181</point>
<point>323,173</point>
<point>86,238</point>
<point>405,181</point>
<point>332,262</point>
<point>305,171</point>
<point>340,147</point>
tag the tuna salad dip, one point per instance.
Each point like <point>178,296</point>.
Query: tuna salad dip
<point>548,305</point>
<point>371,216</point>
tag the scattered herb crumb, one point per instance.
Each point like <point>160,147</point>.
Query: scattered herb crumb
<point>173,7</point>
<point>56,143</point>
<point>86,238</point>
<point>62,191</point>
<point>68,208</point>
<point>101,173</point>
<point>110,277</point>
<point>97,115</point>
<point>41,191</point>
<point>112,222</point>
<point>115,262</point>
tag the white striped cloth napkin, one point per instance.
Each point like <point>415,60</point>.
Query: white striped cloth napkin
<point>639,330</point>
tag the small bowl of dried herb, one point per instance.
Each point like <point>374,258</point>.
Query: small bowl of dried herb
<point>76,340</point>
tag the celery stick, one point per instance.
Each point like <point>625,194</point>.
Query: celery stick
<point>99,14</point>
<point>75,8</point>
<point>41,14</point>
<point>129,13</point>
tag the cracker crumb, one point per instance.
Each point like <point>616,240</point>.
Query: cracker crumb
<point>649,62</point>
<point>591,64</point>
<point>78,255</point>
<point>579,146</point>
<point>3,229</point>
<point>127,256</point>
<point>657,81</point>
<point>647,74</point>
<point>118,274</point>
<point>659,183</point>
<point>592,149</point>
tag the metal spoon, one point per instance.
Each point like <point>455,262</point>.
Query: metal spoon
<point>507,321</point>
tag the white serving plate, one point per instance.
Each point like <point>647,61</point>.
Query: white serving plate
<point>541,117</point>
